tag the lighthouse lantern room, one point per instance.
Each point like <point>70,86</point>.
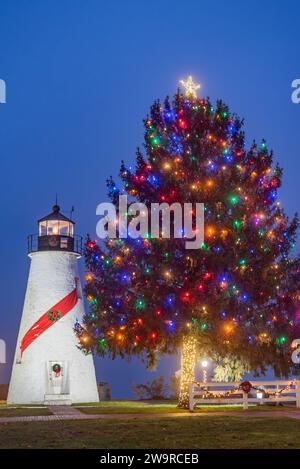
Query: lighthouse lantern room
<point>49,368</point>
<point>56,233</point>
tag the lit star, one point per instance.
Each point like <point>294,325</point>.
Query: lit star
<point>190,87</point>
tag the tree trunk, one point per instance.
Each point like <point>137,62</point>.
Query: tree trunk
<point>188,362</point>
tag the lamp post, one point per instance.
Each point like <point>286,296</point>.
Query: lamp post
<point>204,364</point>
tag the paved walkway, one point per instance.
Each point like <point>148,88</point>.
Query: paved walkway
<point>71,413</point>
<point>65,410</point>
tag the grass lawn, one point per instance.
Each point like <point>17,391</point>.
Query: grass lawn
<point>130,407</point>
<point>162,407</point>
<point>178,432</point>
<point>23,411</point>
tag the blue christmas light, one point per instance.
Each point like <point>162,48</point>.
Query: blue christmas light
<point>228,157</point>
<point>152,179</point>
<point>273,195</point>
<point>169,300</point>
<point>212,166</point>
<point>118,303</point>
<point>168,115</point>
<point>124,277</point>
<point>244,297</point>
<point>77,323</point>
<point>224,278</point>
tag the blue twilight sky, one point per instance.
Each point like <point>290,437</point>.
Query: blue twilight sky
<point>80,77</point>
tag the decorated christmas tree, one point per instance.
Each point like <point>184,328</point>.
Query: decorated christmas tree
<point>237,294</point>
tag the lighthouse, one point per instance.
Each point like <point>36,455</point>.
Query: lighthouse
<point>49,368</point>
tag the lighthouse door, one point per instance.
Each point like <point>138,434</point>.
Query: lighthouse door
<point>57,374</point>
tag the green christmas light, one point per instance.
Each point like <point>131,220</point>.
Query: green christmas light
<point>140,304</point>
<point>237,224</point>
<point>234,199</point>
<point>155,141</point>
<point>103,344</point>
<point>281,340</point>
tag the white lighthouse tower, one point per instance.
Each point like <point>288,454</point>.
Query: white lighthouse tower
<point>49,368</point>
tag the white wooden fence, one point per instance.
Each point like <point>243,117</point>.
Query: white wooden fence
<point>213,393</point>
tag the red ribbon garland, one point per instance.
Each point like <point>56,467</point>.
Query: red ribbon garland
<point>41,325</point>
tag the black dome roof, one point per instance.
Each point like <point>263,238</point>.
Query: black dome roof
<point>56,215</point>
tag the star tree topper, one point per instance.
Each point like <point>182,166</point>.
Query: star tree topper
<point>190,87</point>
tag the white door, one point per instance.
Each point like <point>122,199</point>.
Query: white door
<point>56,375</point>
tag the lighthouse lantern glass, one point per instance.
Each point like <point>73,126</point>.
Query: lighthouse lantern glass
<point>56,227</point>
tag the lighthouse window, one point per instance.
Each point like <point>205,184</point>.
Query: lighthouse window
<point>52,227</point>
<point>64,243</point>
<point>64,229</point>
<point>43,229</point>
